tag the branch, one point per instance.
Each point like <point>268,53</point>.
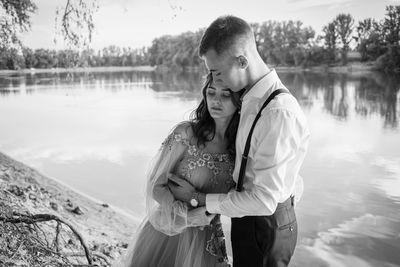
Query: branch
<point>32,219</point>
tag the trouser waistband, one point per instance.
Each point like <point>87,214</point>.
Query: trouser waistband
<point>287,203</point>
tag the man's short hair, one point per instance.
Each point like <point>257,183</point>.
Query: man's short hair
<point>223,33</point>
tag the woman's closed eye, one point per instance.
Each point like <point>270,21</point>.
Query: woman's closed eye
<point>226,94</point>
<point>210,92</point>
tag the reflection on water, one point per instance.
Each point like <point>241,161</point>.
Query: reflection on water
<point>98,131</point>
<point>343,94</point>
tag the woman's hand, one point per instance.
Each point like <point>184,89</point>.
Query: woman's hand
<point>180,188</point>
<point>199,217</point>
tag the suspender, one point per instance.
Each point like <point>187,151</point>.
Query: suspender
<point>239,185</point>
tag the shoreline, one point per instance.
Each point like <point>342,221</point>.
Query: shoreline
<point>79,69</point>
<point>106,229</point>
<point>352,67</point>
<point>93,199</point>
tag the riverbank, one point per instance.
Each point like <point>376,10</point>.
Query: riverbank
<point>353,67</point>
<point>23,190</point>
<point>80,69</point>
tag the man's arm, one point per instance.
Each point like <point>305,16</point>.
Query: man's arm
<point>274,147</point>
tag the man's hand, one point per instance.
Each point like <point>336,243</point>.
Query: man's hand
<point>180,188</point>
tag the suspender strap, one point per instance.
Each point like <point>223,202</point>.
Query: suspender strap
<point>242,170</point>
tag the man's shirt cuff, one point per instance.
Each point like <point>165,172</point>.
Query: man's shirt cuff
<point>212,203</point>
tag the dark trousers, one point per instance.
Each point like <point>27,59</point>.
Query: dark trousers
<point>261,241</point>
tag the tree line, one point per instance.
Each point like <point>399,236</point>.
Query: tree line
<point>280,43</point>
<point>14,58</point>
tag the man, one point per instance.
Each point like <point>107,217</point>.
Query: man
<point>264,226</point>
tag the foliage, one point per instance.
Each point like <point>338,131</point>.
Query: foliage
<point>68,58</point>
<point>77,22</point>
<point>389,41</point>
<point>75,18</point>
<point>330,38</point>
<point>338,33</point>
<point>282,42</point>
<point>390,61</point>
<point>287,43</point>
<point>11,59</point>
<point>344,26</point>
<point>14,19</point>
<point>391,25</point>
<point>369,39</point>
<point>176,51</point>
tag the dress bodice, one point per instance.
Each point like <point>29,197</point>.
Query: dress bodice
<point>208,172</point>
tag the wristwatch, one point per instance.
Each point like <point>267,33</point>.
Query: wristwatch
<point>194,201</point>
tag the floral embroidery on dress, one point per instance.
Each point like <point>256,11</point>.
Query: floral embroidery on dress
<point>216,245</point>
<point>218,164</point>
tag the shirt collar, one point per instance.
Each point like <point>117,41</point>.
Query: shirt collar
<point>262,86</point>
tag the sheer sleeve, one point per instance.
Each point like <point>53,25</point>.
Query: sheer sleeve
<point>166,214</point>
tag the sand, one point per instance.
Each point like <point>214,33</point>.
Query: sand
<point>106,230</point>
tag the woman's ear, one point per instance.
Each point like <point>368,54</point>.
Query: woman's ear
<point>243,62</point>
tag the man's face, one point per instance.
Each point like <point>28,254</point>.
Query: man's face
<point>225,70</point>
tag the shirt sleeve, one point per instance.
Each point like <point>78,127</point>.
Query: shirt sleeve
<point>275,143</point>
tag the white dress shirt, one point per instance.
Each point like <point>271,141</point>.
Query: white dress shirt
<point>278,146</point>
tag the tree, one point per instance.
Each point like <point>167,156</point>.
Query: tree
<point>76,21</point>
<point>330,39</point>
<point>390,61</point>
<point>370,40</point>
<point>14,19</point>
<point>282,42</point>
<point>29,56</point>
<point>11,59</point>
<point>344,27</point>
<point>391,25</point>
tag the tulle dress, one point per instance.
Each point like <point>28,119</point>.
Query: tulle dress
<point>173,234</point>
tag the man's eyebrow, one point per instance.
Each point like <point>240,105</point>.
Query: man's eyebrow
<point>212,70</point>
<point>211,87</point>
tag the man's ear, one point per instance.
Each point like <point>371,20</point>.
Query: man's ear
<point>243,62</point>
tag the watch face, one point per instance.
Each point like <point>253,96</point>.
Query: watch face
<point>194,202</point>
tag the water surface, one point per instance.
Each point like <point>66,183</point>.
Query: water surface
<point>98,132</point>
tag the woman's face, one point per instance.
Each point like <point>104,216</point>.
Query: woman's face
<point>219,102</point>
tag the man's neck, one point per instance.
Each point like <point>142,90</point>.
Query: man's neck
<point>256,74</point>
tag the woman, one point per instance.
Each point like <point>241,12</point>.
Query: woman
<point>173,233</point>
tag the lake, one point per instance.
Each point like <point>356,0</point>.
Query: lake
<point>97,132</point>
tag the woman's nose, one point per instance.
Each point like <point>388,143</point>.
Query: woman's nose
<point>217,99</point>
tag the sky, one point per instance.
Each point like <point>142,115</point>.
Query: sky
<point>134,23</point>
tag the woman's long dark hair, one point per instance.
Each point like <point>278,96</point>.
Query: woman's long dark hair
<point>203,124</point>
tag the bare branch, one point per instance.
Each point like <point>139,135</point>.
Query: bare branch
<point>33,219</point>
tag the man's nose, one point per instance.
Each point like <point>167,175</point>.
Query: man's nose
<point>216,79</point>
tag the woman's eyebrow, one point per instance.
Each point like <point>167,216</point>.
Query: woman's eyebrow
<point>211,87</point>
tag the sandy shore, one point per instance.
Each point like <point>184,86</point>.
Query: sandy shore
<point>105,230</point>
